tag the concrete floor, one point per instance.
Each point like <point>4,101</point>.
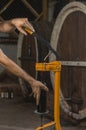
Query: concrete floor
<point>17,114</point>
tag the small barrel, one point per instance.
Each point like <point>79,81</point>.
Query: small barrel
<point>30,51</point>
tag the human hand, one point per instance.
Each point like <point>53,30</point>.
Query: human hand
<point>22,22</point>
<point>36,87</point>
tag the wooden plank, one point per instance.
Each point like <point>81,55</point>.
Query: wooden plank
<point>45,9</point>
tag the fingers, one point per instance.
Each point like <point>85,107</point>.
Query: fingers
<point>37,95</point>
<point>21,30</point>
<point>37,86</point>
<point>28,24</point>
<point>37,98</point>
<point>45,88</point>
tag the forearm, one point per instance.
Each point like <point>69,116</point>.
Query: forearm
<point>14,68</point>
<point>6,26</point>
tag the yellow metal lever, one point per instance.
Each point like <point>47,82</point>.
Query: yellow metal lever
<point>46,125</point>
<point>52,66</point>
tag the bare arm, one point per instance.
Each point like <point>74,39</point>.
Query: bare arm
<point>8,26</point>
<point>16,70</point>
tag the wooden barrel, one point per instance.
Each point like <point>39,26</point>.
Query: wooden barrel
<point>69,39</point>
<point>30,51</point>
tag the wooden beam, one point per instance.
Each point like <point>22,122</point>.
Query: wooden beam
<point>6,6</point>
<point>45,9</point>
<point>30,8</point>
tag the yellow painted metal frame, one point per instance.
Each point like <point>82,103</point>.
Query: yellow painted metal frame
<point>54,66</point>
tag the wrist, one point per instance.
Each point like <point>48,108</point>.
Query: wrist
<point>31,81</point>
<point>11,24</point>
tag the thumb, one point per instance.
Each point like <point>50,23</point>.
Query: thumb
<point>21,30</point>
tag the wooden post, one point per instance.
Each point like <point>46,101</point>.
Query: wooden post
<point>45,9</point>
